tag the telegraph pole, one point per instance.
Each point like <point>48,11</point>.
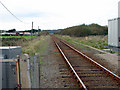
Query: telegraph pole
<point>38,30</point>
<point>38,27</point>
<point>32,30</point>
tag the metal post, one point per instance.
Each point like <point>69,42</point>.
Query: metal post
<point>18,73</point>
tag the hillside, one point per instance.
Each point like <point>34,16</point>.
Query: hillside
<point>84,30</point>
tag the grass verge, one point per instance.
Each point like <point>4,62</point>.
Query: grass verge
<point>99,42</point>
<point>38,45</point>
<point>26,37</point>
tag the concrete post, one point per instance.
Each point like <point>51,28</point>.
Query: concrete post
<point>26,82</point>
<point>37,70</point>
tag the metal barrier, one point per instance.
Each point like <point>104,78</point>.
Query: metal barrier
<point>16,80</point>
<point>9,62</point>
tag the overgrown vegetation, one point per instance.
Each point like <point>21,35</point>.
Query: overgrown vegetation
<point>84,30</point>
<point>30,45</point>
<point>26,37</point>
<point>12,41</point>
<point>37,45</point>
<point>100,42</point>
<point>44,32</point>
<point>15,40</point>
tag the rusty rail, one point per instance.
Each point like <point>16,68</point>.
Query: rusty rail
<point>94,62</point>
<point>82,85</point>
<point>80,82</point>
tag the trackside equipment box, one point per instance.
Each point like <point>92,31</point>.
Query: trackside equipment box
<point>114,32</point>
<point>9,78</point>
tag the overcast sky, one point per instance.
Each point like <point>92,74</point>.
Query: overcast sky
<point>56,14</point>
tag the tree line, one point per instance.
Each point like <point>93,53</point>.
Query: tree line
<point>84,30</point>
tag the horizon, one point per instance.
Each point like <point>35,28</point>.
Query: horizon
<point>53,29</point>
<point>49,15</point>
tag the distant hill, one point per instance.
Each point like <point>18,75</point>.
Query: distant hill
<point>84,30</point>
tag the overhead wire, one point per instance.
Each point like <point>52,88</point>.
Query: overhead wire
<point>11,12</point>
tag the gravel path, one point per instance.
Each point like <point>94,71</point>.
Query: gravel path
<point>50,69</point>
<point>110,61</point>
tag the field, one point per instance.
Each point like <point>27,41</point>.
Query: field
<point>30,45</point>
<point>15,40</point>
<point>26,37</point>
<point>99,42</point>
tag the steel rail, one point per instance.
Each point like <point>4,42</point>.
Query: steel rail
<point>82,85</point>
<point>94,62</point>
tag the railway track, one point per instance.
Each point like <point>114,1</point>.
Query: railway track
<point>88,73</point>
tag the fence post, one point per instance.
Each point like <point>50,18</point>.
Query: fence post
<point>25,75</point>
<point>34,75</point>
<point>38,69</point>
<point>118,64</point>
<point>35,71</point>
<point>28,70</point>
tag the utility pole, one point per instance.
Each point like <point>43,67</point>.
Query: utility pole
<point>32,30</point>
<point>38,30</point>
<point>38,27</point>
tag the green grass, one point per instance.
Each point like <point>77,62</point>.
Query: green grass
<point>15,40</point>
<point>42,50</point>
<point>111,52</point>
<point>80,45</point>
<point>38,45</point>
<point>26,37</point>
<point>33,46</point>
<point>99,42</point>
<point>8,36</point>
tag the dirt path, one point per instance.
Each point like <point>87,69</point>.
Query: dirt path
<point>50,69</point>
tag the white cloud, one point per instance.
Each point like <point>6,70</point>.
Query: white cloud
<point>55,14</point>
